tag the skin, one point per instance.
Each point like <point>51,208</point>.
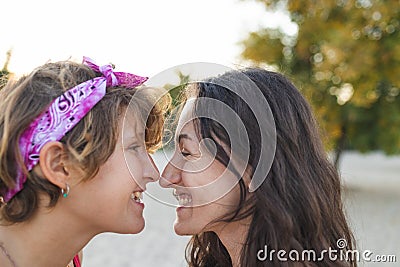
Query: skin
<point>101,204</point>
<point>128,169</point>
<point>213,189</point>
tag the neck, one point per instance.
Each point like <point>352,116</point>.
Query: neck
<point>233,235</point>
<point>50,238</point>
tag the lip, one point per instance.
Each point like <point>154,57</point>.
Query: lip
<point>183,213</point>
<point>137,199</point>
<point>183,207</point>
<point>176,193</point>
<point>140,190</point>
<point>139,204</point>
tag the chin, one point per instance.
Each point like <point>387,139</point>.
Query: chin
<point>138,230</point>
<point>133,228</point>
<point>182,232</point>
<point>186,229</point>
<point>139,226</point>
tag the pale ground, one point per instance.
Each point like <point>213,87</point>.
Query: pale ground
<point>372,203</point>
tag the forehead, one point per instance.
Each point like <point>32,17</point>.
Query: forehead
<point>185,123</point>
<point>133,125</point>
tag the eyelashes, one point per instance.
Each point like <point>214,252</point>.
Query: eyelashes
<point>136,147</point>
<point>185,154</point>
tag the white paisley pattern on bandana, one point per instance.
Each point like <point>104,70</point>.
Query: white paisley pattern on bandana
<point>64,113</point>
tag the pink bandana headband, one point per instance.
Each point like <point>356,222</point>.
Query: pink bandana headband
<point>64,113</point>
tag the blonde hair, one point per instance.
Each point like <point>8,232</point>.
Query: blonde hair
<point>90,143</point>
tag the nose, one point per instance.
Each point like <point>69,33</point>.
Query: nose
<point>150,169</point>
<point>170,176</point>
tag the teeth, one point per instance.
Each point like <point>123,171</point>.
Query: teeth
<point>137,196</point>
<point>183,199</point>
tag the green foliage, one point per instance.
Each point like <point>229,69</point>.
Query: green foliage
<point>345,59</point>
<point>175,90</point>
<point>4,73</point>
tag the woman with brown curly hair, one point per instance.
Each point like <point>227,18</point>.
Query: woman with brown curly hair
<point>73,160</point>
<point>252,177</point>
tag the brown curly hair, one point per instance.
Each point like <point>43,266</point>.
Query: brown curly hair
<point>89,144</point>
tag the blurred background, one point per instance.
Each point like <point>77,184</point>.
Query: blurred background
<point>344,56</point>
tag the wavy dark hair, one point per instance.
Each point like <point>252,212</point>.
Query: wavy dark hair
<point>299,205</point>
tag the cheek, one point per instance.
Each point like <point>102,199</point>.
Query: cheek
<point>134,169</point>
<point>214,200</point>
<point>207,188</point>
<point>112,185</point>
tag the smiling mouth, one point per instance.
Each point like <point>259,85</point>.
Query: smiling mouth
<point>137,196</point>
<point>184,199</point>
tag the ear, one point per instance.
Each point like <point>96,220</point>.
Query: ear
<point>52,163</point>
<point>247,176</point>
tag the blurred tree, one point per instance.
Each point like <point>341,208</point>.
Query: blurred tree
<point>5,73</point>
<point>345,58</point>
<point>175,90</point>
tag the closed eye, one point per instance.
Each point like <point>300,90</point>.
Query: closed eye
<point>190,155</point>
<point>185,154</point>
<point>134,147</point>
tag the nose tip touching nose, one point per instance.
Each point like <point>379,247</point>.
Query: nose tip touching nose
<point>169,176</point>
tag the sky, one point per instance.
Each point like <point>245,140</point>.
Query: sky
<point>143,37</point>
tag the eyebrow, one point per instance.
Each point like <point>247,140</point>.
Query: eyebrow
<point>184,136</point>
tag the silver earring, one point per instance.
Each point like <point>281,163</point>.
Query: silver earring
<point>2,202</point>
<point>66,191</point>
